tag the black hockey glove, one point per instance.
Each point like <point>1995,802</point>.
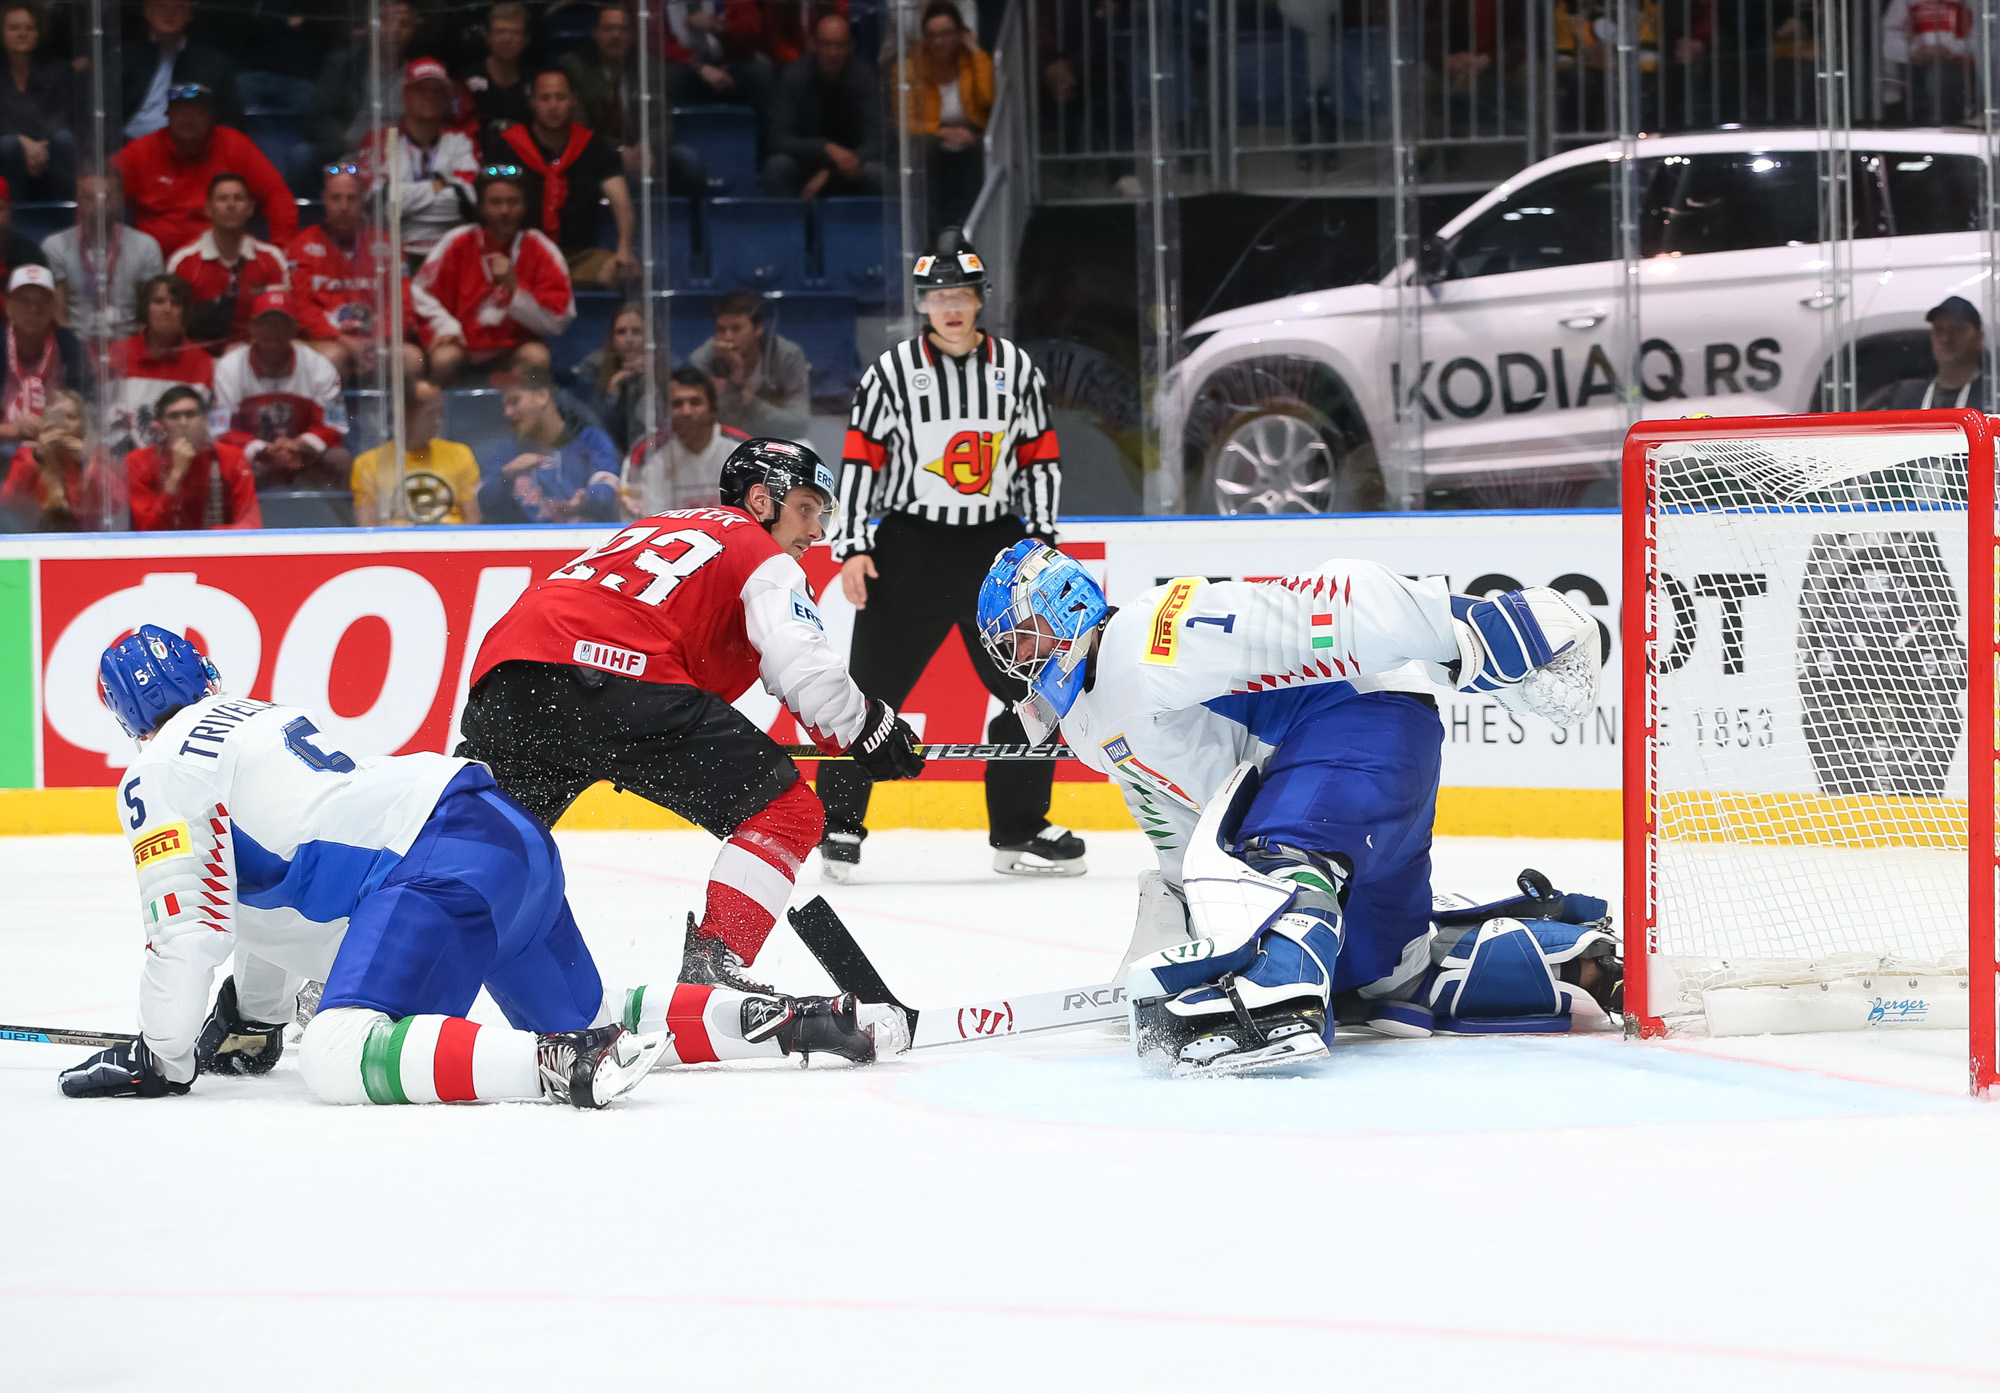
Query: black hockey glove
<point>229,1044</point>
<point>123,1071</point>
<point>886,747</point>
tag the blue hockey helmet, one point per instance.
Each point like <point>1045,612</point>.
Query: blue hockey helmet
<point>1034,591</point>
<point>147,677</point>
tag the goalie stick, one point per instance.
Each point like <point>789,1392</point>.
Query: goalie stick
<point>1026,752</point>
<point>828,939</point>
<point>40,1035</point>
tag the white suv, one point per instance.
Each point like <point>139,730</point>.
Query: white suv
<point>1281,406</point>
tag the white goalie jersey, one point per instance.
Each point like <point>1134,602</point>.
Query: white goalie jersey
<point>1194,677</point>
<point>252,836</point>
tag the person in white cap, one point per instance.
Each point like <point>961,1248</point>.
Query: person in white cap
<point>434,166</point>
<point>283,406</point>
<point>42,358</point>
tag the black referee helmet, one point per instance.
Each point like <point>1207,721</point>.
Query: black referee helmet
<point>780,466</point>
<point>952,262</point>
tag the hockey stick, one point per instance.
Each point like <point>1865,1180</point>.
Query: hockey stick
<point>1023,752</point>
<point>39,1035</point>
<point>828,939</point>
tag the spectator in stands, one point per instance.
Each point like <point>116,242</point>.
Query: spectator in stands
<point>763,384</point>
<point>566,169</point>
<point>186,482</point>
<point>604,86</point>
<point>490,292</point>
<point>715,53</point>
<point>51,488</point>
<point>498,85</point>
<point>439,482</point>
<point>341,112</point>
<point>826,122</point>
<point>553,468</point>
<point>614,376</point>
<point>681,466</point>
<point>336,276</point>
<point>226,268</point>
<point>1930,53</point>
<point>101,302</point>
<point>37,148</point>
<point>1958,347</point>
<point>283,406</point>
<point>168,174</point>
<point>166,60</point>
<point>43,358</point>
<point>15,250</point>
<point>951,99</point>
<point>159,356</point>
<point>434,166</point>
<point>1477,50</point>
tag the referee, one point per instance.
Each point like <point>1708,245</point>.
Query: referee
<point>949,441</point>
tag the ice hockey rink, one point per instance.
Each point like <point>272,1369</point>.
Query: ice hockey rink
<point>1795,1213</point>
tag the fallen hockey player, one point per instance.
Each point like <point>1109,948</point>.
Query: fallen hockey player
<point>1286,774</point>
<point>405,883</point>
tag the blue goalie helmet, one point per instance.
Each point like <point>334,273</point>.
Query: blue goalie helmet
<point>1033,594</point>
<point>147,677</point>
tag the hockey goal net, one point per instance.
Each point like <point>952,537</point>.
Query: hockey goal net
<point>1809,684</point>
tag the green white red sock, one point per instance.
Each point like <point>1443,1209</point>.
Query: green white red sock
<point>447,1059</point>
<point>707,1023</point>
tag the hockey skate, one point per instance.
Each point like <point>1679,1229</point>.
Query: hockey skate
<point>709,962</point>
<point>1280,1036</point>
<point>588,1068</point>
<point>1053,851</point>
<point>836,1025</point>
<point>839,856</point>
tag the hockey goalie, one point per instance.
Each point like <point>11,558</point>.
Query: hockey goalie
<point>1279,745</point>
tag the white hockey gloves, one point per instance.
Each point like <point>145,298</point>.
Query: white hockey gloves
<point>1532,649</point>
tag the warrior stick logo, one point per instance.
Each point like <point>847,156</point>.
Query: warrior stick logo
<point>977,1021</point>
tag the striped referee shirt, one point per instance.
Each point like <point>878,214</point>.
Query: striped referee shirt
<point>956,440</point>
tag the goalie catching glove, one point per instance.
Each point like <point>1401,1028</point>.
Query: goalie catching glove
<point>886,747</point>
<point>1531,649</point>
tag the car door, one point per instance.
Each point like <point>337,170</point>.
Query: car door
<point>1517,331</point>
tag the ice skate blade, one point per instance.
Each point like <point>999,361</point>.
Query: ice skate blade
<point>1293,1049</point>
<point>839,872</point>
<point>1027,864</point>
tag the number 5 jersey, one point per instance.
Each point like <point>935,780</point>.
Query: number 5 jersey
<point>701,598</point>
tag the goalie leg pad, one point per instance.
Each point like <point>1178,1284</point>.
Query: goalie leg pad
<point>1507,977</point>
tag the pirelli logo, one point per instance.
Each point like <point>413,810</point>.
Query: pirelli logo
<point>171,840</point>
<point>1164,636</point>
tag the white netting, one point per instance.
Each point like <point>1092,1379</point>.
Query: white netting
<point>1810,670</point>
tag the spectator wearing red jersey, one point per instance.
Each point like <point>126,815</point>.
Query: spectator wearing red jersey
<point>489,293</point>
<point>159,356</point>
<point>41,357</point>
<point>715,52</point>
<point>283,406</point>
<point>51,488</point>
<point>334,271</point>
<point>226,268</point>
<point>433,166</point>
<point>186,482</point>
<point>566,169</point>
<point>168,173</point>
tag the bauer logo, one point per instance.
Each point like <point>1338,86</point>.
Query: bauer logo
<point>1102,996</point>
<point>610,659</point>
<point>1163,637</point>
<point>975,1022</point>
<point>168,841</point>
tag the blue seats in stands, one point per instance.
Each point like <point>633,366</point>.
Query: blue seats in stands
<point>690,321</point>
<point>306,508</point>
<point>821,323</point>
<point>595,309</point>
<point>756,243</point>
<point>856,248</point>
<point>473,415</point>
<point>726,137</point>
<point>675,235</point>
<point>565,29</point>
<point>35,221</point>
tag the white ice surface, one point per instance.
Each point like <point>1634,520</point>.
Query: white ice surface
<point>1802,1213</point>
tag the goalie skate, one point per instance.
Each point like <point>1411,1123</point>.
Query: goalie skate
<point>1287,1037</point>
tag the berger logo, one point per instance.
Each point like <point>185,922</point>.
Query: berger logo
<point>603,655</point>
<point>977,1021</point>
<point>1099,996</point>
<point>171,840</point>
<point>1163,636</point>
<point>1118,750</point>
<point>1908,1010</point>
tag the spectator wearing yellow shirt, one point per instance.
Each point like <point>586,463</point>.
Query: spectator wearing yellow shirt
<point>440,480</point>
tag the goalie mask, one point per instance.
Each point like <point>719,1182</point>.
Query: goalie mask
<point>144,679</point>
<point>1036,609</point>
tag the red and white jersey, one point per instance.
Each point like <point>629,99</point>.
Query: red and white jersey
<point>1928,31</point>
<point>456,295</point>
<point>259,266</point>
<point>428,211</point>
<point>302,402</point>
<point>333,287</point>
<point>138,378</point>
<point>701,597</point>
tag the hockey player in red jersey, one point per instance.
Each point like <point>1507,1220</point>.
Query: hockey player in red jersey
<point>621,665</point>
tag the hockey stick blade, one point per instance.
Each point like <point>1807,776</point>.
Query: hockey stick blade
<point>40,1035</point>
<point>1007,752</point>
<point>828,939</point>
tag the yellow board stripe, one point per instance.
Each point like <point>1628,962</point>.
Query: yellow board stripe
<point>1810,819</point>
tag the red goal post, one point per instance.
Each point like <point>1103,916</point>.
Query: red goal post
<point>1809,703</point>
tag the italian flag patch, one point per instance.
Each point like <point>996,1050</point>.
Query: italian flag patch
<point>1322,630</point>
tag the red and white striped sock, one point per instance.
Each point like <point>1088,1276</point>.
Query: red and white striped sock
<point>753,875</point>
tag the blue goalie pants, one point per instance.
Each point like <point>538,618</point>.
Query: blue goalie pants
<point>1360,779</point>
<point>477,901</point>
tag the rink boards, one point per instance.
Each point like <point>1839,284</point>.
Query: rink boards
<point>379,629</point>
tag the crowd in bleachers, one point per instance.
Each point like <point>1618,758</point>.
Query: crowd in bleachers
<point>226,249</point>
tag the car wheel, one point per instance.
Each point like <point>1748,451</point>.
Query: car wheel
<point>1278,437</point>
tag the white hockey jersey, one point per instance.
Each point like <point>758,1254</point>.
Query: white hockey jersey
<point>252,836</point>
<point>1194,677</point>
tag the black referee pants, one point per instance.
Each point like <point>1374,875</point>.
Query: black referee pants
<point>929,582</point>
